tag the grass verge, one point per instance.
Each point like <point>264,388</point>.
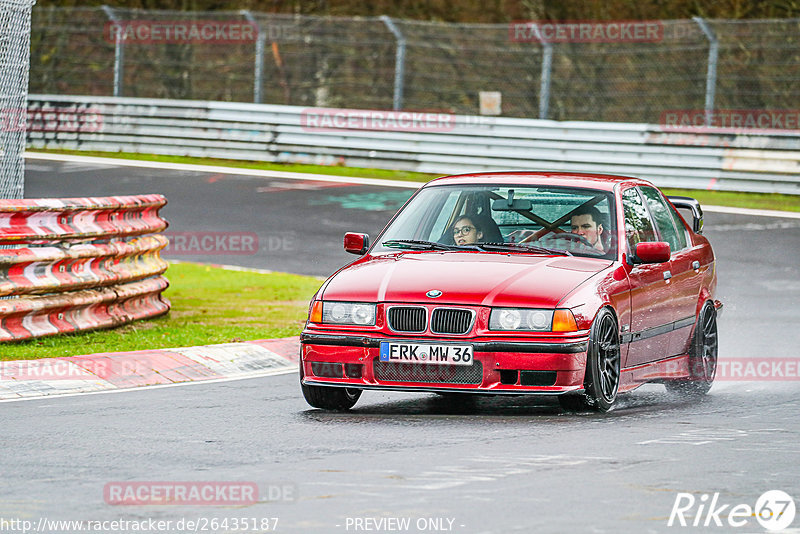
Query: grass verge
<point>768,201</point>
<point>209,305</point>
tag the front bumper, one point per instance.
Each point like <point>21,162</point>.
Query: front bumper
<point>500,366</point>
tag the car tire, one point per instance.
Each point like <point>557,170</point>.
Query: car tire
<point>329,398</point>
<point>602,377</point>
<point>703,354</point>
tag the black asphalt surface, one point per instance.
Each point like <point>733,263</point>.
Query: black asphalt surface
<point>495,465</point>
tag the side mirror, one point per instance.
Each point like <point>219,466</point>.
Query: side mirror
<point>652,252</point>
<point>688,203</point>
<point>356,243</point>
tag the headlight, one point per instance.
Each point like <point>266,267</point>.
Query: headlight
<point>356,313</point>
<point>520,319</point>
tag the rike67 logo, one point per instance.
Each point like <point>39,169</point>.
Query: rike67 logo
<point>774,510</point>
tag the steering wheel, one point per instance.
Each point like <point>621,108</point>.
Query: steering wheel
<point>570,237</point>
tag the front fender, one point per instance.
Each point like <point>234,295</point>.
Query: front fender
<point>608,288</point>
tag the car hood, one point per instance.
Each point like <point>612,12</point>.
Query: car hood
<point>468,278</point>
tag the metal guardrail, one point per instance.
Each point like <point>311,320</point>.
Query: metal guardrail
<point>80,264</point>
<point>708,158</point>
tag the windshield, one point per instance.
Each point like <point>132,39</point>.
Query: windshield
<point>515,219</point>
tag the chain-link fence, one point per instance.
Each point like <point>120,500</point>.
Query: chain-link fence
<point>15,25</point>
<point>379,63</point>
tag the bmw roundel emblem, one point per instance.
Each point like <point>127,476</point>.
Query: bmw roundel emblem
<point>433,293</point>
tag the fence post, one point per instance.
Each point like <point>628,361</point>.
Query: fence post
<point>258,74</point>
<point>119,52</point>
<point>711,76</point>
<point>399,62</point>
<point>547,69</point>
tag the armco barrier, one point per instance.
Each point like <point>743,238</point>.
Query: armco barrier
<point>734,160</point>
<point>80,264</point>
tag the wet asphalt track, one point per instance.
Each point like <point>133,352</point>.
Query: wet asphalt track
<point>496,465</point>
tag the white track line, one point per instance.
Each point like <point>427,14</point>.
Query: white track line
<point>115,162</point>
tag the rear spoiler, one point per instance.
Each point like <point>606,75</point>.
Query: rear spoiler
<point>692,205</point>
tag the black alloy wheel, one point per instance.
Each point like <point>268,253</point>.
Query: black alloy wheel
<point>703,355</point>
<point>603,361</point>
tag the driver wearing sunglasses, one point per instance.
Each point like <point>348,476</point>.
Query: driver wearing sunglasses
<point>466,232</point>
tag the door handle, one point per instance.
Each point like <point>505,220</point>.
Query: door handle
<point>696,265</point>
<point>667,275</point>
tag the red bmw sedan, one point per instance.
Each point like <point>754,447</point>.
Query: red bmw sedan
<point>583,286</point>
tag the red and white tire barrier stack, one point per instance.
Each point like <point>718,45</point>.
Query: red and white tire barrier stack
<point>24,379</point>
<point>80,264</point>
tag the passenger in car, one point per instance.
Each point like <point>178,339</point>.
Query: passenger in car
<point>466,231</point>
<point>587,222</point>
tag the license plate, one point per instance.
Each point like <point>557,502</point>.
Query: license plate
<point>426,353</point>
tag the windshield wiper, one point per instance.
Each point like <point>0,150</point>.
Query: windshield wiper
<point>523,248</point>
<point>416,244</point>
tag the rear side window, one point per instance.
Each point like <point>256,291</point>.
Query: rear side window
<point>664,219</point>
<point>638,226</point>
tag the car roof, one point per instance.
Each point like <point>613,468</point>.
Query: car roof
<point>605,182</point>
